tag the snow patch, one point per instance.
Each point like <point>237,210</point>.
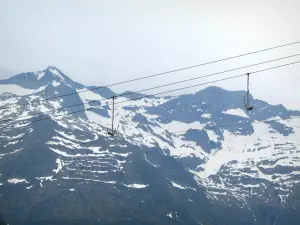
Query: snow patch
<point>56,73</point>
<point>55,104</point>
<point>73,137</point>
<point>251,186</point>
<point>170,215</point>
<point>212,135</point>
<point>16,181</point>
<point>59,163</point>
<point>175,126</point>
<point>94,117</point>
<point>156,166</point>
<point>87,95</point>
<point>17,90</point>
<point>87,179</point>
<point>55,83</point>
<point>50,178</point>
<point>236,112</point>
<point>39,74</point>
<point>206,115</point>
<point>178,185</point>
<point>137,186</point>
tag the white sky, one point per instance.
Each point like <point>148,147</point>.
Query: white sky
<point>101,42</point>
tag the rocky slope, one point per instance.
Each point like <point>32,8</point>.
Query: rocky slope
<point>193,159</point>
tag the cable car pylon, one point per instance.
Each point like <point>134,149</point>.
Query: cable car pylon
<point>112,131</point>
<point>246,99</point>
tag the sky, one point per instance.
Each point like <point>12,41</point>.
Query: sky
<point>98,42</point>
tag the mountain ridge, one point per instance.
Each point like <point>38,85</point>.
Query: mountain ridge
<point>183,152</point>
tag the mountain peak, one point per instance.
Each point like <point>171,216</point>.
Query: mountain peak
<point>56,72</point>
<point>52,68</point>
<point>217,90</point>
<point>34,80</point>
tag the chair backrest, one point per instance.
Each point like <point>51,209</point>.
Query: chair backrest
<point>246,103</point>
<point>249,108</point>
<point>111,132</point>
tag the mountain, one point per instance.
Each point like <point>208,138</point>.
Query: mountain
<point>194,159</point>
<point>39,79</point>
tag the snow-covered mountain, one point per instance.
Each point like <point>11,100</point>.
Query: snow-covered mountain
<point>194,159</point>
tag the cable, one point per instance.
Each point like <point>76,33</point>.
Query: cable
<point>163,73</point>
<point>229,125</point>
<point>156,94</point>
<point>131,99</point>
<point>164,92</point>
<point>165,85</point>
<point>45,118</point>
<point>196,85</point>
<point>128,93</point>
<point>184,131</point>
<point>214,81</point>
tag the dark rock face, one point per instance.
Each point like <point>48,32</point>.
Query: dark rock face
<point>201,138</point>
<point>76,195</point>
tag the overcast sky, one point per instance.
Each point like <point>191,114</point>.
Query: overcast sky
<point>100,42</point>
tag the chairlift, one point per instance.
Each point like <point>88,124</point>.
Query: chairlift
<point>112,131</point>
<point>246,100</point>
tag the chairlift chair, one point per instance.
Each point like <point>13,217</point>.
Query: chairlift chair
<point>112,131</point>
<point>246,100</point>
